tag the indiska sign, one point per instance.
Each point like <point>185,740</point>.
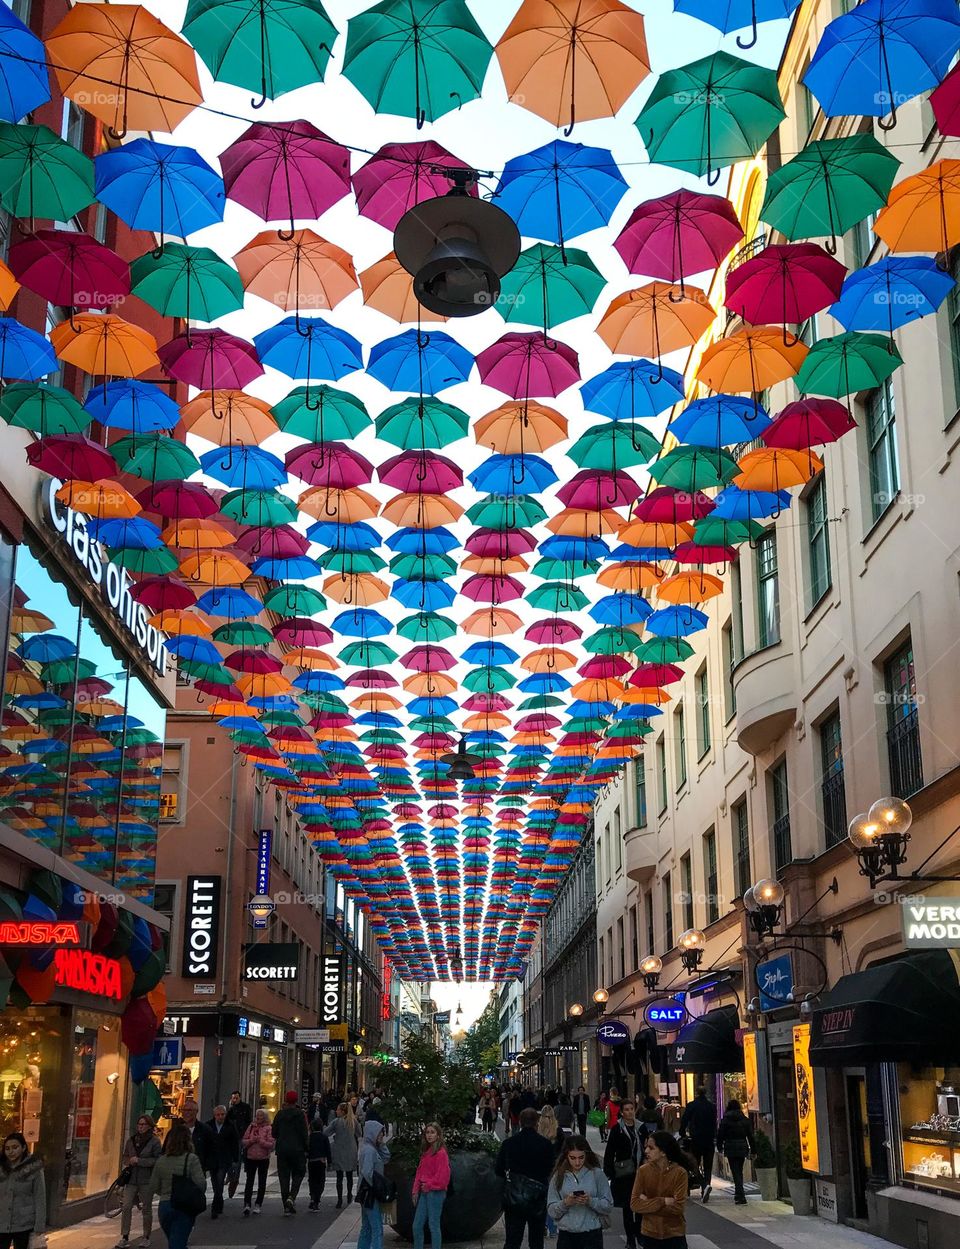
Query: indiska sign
<point>42,934</point>
<point>87,972</point>
<point>931,923</point>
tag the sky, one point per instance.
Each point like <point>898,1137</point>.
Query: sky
<point>472,997</point>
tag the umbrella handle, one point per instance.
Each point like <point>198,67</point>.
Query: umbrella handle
<point>255,103</point>
<point>751,42</point>
<point>286,235</point>
<point>713,176</point>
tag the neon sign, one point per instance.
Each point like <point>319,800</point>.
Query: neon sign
<point>41,934</point>
<point>87,972</point>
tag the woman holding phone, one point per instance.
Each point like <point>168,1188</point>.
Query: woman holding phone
<point>578,1199</point>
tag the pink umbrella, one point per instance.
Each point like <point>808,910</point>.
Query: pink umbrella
<point>284,171</point>
<point>667,505</point>
<point>531,724</point>
<point>487,702</point>
<point>178,500</point>
<point>371,679</point>
<point>694,553</point>
<point>678,234</point>
<point>499,543</point>
<point>330,464</point>
<point>593,490</point>
<point>162,594</point>
<point>301,631</point>
<point>945,102</point>
<point>281,542</point>
<point>70,269</point>
<point>605,666</point>
<point>253,660</point>
<point>552,630</point>
<point>401,175</point>
<point>209,359</point>
<point>529,366</point>
<point>784,284</point>
<point>423,471</point>
<point>486,588</point>
<point>647,675</point>
<point>428,659</point>
<point>71,457</point>
<point>808,423</point>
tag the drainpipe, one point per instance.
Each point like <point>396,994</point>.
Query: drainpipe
<point>227,911</point>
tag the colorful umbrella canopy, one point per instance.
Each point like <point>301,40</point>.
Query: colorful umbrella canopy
<point>70,268</point>
<point>159,187</point>
<point>24,79</point>
<point>282,171</point>
<point>847,363</point>
<point>547,286</point>
<point>41,175</point>
<point>528,365</point>
<point>891,293</point>
<point>656,319</point>
<point>922,213</point>
<point>785,283</point>
<point>188,282</point>
<point>729,15</point>
<point>678,234</point>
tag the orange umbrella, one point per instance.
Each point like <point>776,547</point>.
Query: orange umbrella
<point>375,700</point>
<point>487,720</point>
<point>690,587</point>
<point>122,64</point>
<point>598,689</point>
<point>923,211</point>
<point>105,344</point>
<point>421,511</point>
<point>548,659</point>
<point>28,620</point>
<point>104,499</point>
<point>655,319</point>
<point>226,708</point>
<point>388,287</point>
<point>218,568</point>
<point>310,657</point>
<point>361,589</point>
<point>646,694</point>
<point>580,523</point>
<point>750,360</point>
<point>22,682</point>
<point>8,287</point>
<point>181,624</point>
<point>302,272</point>
<point>516,428</point>
<point>263,684</point>
<point>228,417</point>
<point>655,533</point>
<point>631,575</point>
<point>198,535</point>
<point>573,60</point>
<point>491,622</point>
<point>773,468</point>
<point>494,567</point>
<point>429,683</point>
<point>344,507</point>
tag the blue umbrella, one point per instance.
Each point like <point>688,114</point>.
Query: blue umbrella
<point>890,293</point>
<point>676,621</point>
<point>652,554</point>
<point>729,15</point>
<point>159,187</point>
<point>423,595</point>
<point>512,474</point>
<point>432,706</point>
<point>24,78</point>
<point>543,683</point>
<point>632,389</point>
<point>732,503</point>
<point>620,609</point>
<point>39,701</point>
<point>140,407</point>
<point>194,649</point>
<point>560,190</point>
<point>420,363</point>
<point>489,654</point>
<point>422,541</point>
<point>116,724</point>
<point>358,537</point>
<point>24,354</point>
<point>249,468</point>
<point>881,54</point>
<point>231,603</point>
<point>559,547</point>
<point>45,648</point>
<point>294,568</point>
<point>361,622</point>
<point>719,421</point>
<point>137,533</point>
<point>312,348</point>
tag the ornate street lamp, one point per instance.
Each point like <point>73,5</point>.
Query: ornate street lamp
<point>764,906</point>
<point>880,838</point>
<point>601,997</point>
<point>691,945</point>
<point>576,1010</point>
<point>651,967</point>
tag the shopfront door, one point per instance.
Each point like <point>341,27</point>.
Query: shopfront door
<point>858,1127</point>
<point>784,1106</point>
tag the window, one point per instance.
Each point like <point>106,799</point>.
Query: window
<point>710,878</point>
<point>680,743</point>
<point>861,241</point>
<point>780,797</point>
<point>618,839</point>
<point>808,108</point>
<point>662,773</point>
<point>607,854</point>
<point>729,696</point>
<point>600,848</point>
<point>818,541</point>
<point>600,962</point>
<point>737,649</point>
<point>741,847</point>
<point>882,449</point>
<point>165,901</point>
<point>702,685</point>
<point>22,9</point>
<point>667,913</point>
<point>768,589</point>
<point>172,796</point>
<point>651,938</point>
<point>73,124</point>
<point>686,888</point>
<point>832,793</point>
<point>953,318</point>
<point>620,949</point>
<point>640,776</point>
<point>634,939</point>
<point>903,723</point>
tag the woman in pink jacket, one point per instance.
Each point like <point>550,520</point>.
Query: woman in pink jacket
<point>257,1144</point>
<point>430,1186</point>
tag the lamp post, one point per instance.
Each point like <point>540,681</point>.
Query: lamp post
<point>764,906</point>
<point>601,997</point>
<point>691,945</point>
<point>880,837</point>
<point>651,968</point>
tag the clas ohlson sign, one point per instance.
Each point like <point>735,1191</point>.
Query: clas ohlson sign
<point>930,923</point>
<point>112,581</point>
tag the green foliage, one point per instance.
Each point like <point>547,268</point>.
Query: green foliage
<point>425,1087</point>
<point>765,1154</point>
<point>479,1051</point>
<point>793,1160</point>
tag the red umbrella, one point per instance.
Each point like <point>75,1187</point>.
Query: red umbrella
<point>424,471</point>
<point>252,660</point>
<point>178,500</point>
<point>330,464</point>
<point>594,490</point>
<point>527,366</point>
<point>808,423</point>
<point>301,631</point>
<point>401,175</point>
<point>71,457</point>
<point>162,594</point>
<point>694,553</point>
<point>945,102</point>
<point>678,234</point>
<point>281,542</point>
<point>428,659</point>
<point>499,543</point>
<point>70,269</point>
<point>211,358</point>
<point>552,630</point>
<point>649,675</point>
<point>285,171</point>
<point>666,505</point>
<point>784,284</point>
<point>605,666</point>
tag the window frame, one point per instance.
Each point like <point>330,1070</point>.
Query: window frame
<point>767,570</point>
<point>702,688</point>
<point>882,449</point>
<point>818,542</point>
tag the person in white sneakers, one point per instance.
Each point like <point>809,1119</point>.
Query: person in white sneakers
<point>257,1147</point>
<point>140,1154</point>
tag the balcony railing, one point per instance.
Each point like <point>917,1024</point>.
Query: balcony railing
<point>747,252</point>
<point>834,797</point>
<point>903,753</point>
<point>782,850</point>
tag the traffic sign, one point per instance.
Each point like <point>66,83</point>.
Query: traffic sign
<point>167,1053</point>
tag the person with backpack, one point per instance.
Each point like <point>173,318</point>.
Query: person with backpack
<point>371,1159</point>
<point>525,1161</point>
<point>650,1118</point>
<point>180,1183</point>
<point>290,1133</point>
<point>430,1185</point>
<point>579,1199</point>
<point>621,1159</point>
<point>735,1140</point>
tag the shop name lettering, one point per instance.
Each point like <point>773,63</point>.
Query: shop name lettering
<point>933,923</point>
<point>88,973</point>
<point>200,936</point>
<point>331,990</point>
<point>271,973</point>
<point>837,1020</point>
<point>113,582</point>
<point>772,980</point>
<point>39,932</point>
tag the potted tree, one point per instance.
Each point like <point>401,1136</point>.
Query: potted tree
<point>798,1181</point>
<point>765,1166</point>
<point>426,1087</point>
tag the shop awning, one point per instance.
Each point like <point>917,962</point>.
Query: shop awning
<point>903,1010</point>
<point>709,1043</point>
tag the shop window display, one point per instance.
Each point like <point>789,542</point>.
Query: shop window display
<point>31,1043</point>
<point>95,1122</point>
<point>930,1126</point>
<point>271,1079</point>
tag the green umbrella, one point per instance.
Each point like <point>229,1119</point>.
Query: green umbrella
<point>694,468</point>
<point>614,445</point>
<point>352,562</point>
<point>367,653</point>
<point>426,626</point>
<point>557,597</point>
<point>829,186</point>
<point>663,651</point>
<point>41,175</point>
<point>712,531</point>
<point>711,113</point>
<point>42,409</point>
<point>270,46</point>
<point>294,599</point>
<point>548,285</point>
<point>611,640</point>
<point>516,512</point>
<point>243,633</point>
<point>420,423</point>
<point>423,567</point>
<point>847,363</point>
<point>488,680</point>
<point>143,563</point>
<point>564,569</point>
<point>157,457</point>
<point>189,282</point>
<point>216,674</point>
<point>261,508</point>
<point>321,414</point>
<point>416,58</point>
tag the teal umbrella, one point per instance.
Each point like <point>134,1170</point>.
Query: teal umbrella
<point>847,363</point>
<point>416,58</point>
<point>549,285</point>
<point>188,282</point>
<point>424,422</point>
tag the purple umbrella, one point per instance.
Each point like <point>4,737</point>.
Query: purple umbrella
<point>70,269</point>
<point>678,234</point>
<point>284,171</point>
<point>423,471</point>
<point>592,490</point>
<point>401,175</point>
<point>281,542</point>
<point>527,366</point>
<point>330,464</point>
<point>209,359</point>
<point>499,543</point>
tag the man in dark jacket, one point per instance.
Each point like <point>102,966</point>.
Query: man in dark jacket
<point>200,1134</point>
<point>290,1133</point>
<point>239,1113</point>
<point>699,1123</point>
<point>735,1139</point>
<point>621,1158</point>
<point>581,1108</point>
<point>530,1155</point>
<point>224,1155</point>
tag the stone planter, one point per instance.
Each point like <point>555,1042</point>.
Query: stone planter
<point>801,1195</point>
<point>767,1179</point>
<point>474,1205</point>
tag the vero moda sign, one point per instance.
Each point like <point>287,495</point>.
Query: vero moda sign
<point>930,923</point>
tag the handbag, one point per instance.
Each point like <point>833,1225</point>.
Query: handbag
<point>365,1197</point>
<point>524,1193</point>
<point>186,1196</point>
<point>384,1190</point>
<point>124,1178</point>
<point>624,1168</point>
<point>597,1118</point>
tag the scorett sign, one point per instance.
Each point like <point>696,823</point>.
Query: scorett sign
<point>931,923</point>
<point>112,581</point>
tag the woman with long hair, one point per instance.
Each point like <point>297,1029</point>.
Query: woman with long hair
<point>343,1133</point>
<point>660,1194</point>
<point>178,1159</point>
<point>257,1145</point>
<point>140,1154</point>
<point>579,1199</point>
<point>23,1195</point>
<point>548,1127</point>
<point>430,1185</point>
<point>735,1140</point>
